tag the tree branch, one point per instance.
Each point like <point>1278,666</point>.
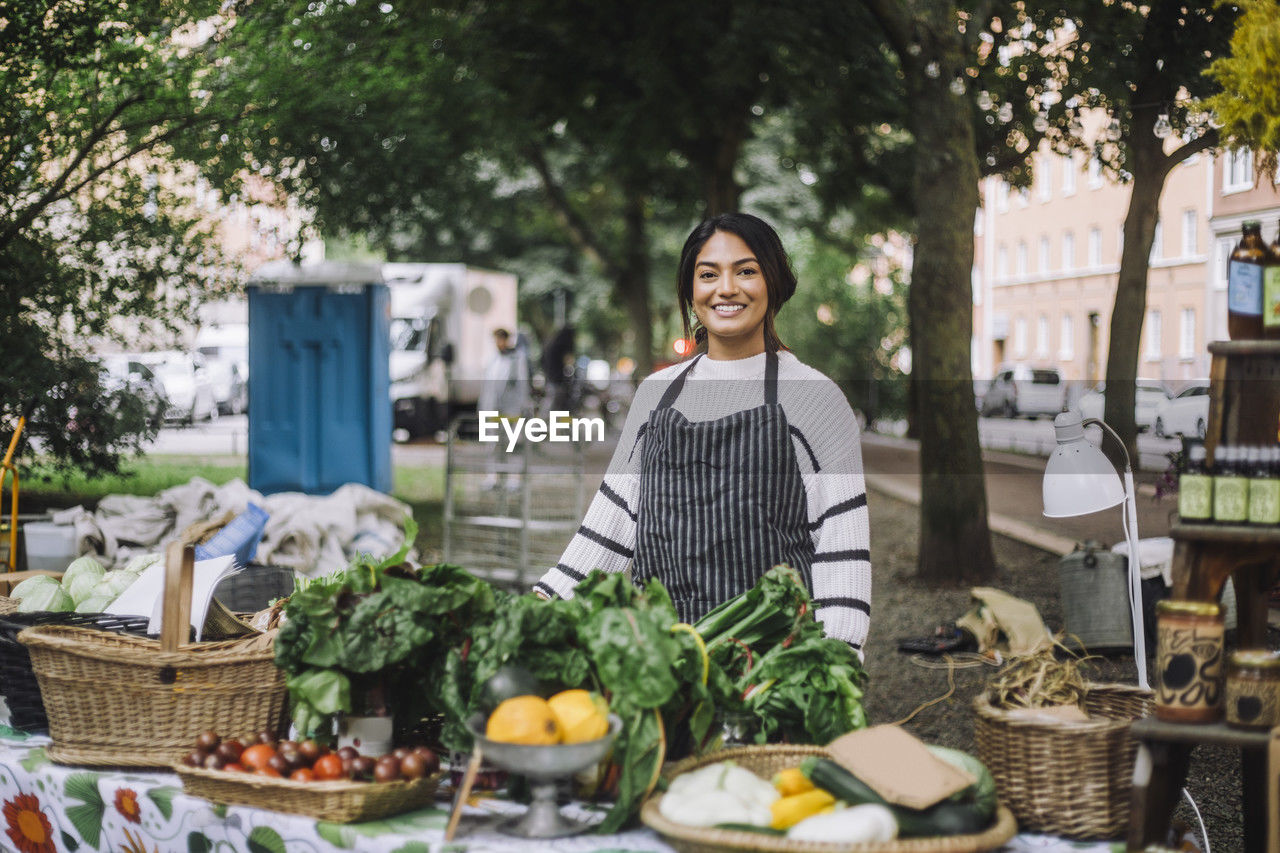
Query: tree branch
<point>579,231</point>
<point>1203,142</point>
<point>894,18</point>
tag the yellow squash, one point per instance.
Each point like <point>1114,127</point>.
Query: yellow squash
<point>789,811</point>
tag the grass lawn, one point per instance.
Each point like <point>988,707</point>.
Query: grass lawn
<point>422,487</point>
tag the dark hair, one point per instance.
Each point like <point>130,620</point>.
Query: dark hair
<point>780,281</point>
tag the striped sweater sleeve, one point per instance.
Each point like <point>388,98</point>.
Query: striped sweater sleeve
<point>831,466</point>
<point>606,540</point>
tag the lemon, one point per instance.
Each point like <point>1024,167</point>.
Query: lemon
<point>582,715</point>
<point>523,719</point>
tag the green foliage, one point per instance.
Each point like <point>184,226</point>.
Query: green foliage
<point>1248,107</point>
<point>91,228</point>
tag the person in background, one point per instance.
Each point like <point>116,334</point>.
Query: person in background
<point>505,391</point>
<point>736,460</point>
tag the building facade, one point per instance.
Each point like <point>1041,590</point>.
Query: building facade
<point>1048,257</point>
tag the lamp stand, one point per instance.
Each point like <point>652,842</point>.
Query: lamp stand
<point>1135,579</point>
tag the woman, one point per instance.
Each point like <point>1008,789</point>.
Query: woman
<point>737,461</point>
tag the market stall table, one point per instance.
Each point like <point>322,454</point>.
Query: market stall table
<point>48,807</point>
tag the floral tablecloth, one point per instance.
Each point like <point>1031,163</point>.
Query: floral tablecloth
<point>48,807</point>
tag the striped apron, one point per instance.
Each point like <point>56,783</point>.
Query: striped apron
<point>721,502</point>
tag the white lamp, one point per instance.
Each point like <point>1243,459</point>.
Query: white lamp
<point>1079,480</point>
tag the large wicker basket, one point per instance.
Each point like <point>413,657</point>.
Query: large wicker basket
<point>132,702</point>
<point>338,802</point>
<point>1066,778</point>
<point>765,761</point>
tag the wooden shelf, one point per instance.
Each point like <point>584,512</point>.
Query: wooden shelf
<point>1216,733</point>
<point>1231,534</point>
<point>1230,348</point>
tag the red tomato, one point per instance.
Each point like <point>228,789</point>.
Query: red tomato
<point>257,756</point>
<point>233,766</point>
<point>303,774</point>
<point>268,771</point>
<point>328,767</point>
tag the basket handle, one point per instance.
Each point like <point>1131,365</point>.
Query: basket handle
<point>179,569</point>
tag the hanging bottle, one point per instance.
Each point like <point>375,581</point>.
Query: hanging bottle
<point>1195,487</point>
<point>1244,284</point>
<point>1230,490</point>
<point>1264,488</point>
<point>1271,291</point>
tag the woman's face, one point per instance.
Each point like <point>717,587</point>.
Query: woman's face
<point>730,298</point>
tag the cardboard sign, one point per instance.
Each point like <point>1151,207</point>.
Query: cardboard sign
<point>898,766</point>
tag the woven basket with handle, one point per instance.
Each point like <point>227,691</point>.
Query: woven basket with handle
<point>765,761</point>
<point>1063,777</point>
<point>133,702</point>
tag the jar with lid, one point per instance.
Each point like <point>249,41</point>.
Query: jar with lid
<point>1188,661</point>
<point>1253,689</point>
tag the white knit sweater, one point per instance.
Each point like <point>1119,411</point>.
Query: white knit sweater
<point>824,431</point>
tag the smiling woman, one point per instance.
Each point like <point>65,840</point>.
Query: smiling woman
<point>740,459</point>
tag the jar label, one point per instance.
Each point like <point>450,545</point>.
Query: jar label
<point>1195,496</point>
<point>1188,664</point>
<point>1252,703</point>
<point>1264,501</point>
<point>1244,288</point>
<point>1271,298</point>
<point>1230,498</point>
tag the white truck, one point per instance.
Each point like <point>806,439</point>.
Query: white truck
<point>442,321</point>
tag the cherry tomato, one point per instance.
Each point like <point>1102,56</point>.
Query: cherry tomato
<point>328,767</point>
<point>257,756</point>
<point>233,766</point>
<point>303,774</point>
<point>268,771</point>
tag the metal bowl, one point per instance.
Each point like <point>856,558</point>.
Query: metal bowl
<point>545,763</point>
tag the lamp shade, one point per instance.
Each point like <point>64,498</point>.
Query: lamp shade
<point>1078,478</point>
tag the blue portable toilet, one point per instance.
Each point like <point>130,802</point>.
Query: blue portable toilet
<point>319,390</point>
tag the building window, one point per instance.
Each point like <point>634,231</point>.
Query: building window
<point>1237,170</point>
<point>1068,175</point>
<point>1020,337</point>
<point>1042,336</point>
<point>1067,346</point>
<point>1120,242</point>
<point>1044,254</point>
<point>1223,247</point>
<point>1187,334</point>
<point>1157,242</point>
<point>1155,332</point>
<point>1024,197</point>
<point>1002,262</point>
<point>1095,247</point>
<point>1002,197</point>
<point>1044,179</point>
<point>1020,259</point>
<point>1189,243</point>
<point>1068,251</point>
<point>1095,173</point>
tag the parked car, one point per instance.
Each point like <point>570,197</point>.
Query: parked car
<point>225,354</point>
<point>1148,395</point>
<point>123,371</point>
<point>186,385</point>
<point>1025,391</point>
<point>1186,413</point>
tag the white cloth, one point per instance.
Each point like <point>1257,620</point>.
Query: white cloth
<point>311,534</point>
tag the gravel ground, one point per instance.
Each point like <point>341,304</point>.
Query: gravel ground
<point>904,606</point>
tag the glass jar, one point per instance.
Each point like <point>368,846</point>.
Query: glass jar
<point>1188,661</point>
<point>1253,689</point>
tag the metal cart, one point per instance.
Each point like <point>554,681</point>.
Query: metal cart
<point>509,516</point>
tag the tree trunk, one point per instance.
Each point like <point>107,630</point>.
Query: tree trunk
<point>955,541</point>
<point>631,282</point>
<point>1148,165</point>
<point>722,191</point>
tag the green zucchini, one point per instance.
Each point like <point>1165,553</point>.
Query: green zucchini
<point>945,818</point>
<point>750,827</point>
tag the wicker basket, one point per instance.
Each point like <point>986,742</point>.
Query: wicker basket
<point>1066,778</point>
<point>337,802</point>
<point>132,702</point>
<point>765,761</point>
<point>7,605</point>
<point>18,685</point>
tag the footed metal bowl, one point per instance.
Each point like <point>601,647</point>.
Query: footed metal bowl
<point>544,766</point>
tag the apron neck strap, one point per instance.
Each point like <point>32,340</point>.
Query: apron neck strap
<point>770,381</point>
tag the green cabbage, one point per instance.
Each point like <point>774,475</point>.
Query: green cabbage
<point>46,597</point>
<point>82,585</point>
<point>142,562</point>
<point>31,584</point>
<point>83,566</point>
<point>114,584</point>
<point>982,794</point>
<point>95,604</point>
